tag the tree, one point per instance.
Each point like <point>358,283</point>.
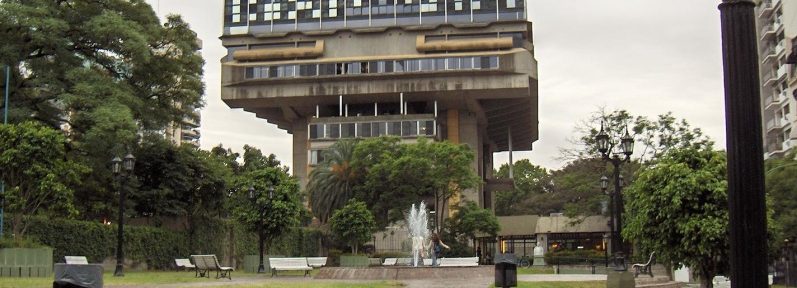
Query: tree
<point>781,187</point>
<point>37,174</point>
<point>353,223</point>
<point>107,70</point>
<point>655,137</point>
<point>471,221</point>
<point>331,182</point>
<point>530,180</point>
<point>678,208</point>
<point>269,217</point>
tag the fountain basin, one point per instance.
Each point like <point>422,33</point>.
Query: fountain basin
<point>404,273</point>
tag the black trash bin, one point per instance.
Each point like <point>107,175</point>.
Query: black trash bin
<point>77,275</point>
<point>505,270</point>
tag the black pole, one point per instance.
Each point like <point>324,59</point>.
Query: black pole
<point>120,235</point>
<point>261,268</point>
<point>747,227</point>
<point>618,195</point>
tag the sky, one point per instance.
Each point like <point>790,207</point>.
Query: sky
<point>648,57</point>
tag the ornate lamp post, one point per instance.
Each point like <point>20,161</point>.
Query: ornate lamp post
<point>118,164</point>
<point>626,148</point>
<point>254,195</point>
<point>604,185</point>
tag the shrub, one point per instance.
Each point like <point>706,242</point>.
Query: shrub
<point>574,257</point>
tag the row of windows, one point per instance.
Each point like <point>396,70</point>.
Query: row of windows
<point>268,10</point>
<point>411,128</point>
<point>372,67</point>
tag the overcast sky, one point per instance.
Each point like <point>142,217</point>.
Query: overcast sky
<point>646,56</point>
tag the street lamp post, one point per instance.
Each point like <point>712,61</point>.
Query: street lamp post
<point>253,195</point>
<point>604,185</point>
<point>128,163</point>
<point>626,148</point>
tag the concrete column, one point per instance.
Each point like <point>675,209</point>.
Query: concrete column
<point>301,148</point>
<point>469,135</point>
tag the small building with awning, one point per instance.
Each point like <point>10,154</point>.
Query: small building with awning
<point>520,234</point>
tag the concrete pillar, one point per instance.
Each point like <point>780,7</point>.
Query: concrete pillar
<point>301,148</point>
<point>469,135</point>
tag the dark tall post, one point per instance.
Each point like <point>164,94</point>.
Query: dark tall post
<point>261,268</point>
<point>120,236</point>
<point>748,224</point>
<point>618,204</point>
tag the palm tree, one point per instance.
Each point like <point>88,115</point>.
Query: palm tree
<point>330,184</point>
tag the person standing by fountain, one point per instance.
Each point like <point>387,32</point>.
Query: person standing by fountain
<point>437,246</point>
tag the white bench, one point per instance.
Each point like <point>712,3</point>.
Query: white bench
<point>288,264</point>
<point>459,262</point>
<point>427,262</point>
<point>390,262</point>
<point>76,260</point>
<point>206,263</point>
<point>185,264</point>
<point>316,262</point>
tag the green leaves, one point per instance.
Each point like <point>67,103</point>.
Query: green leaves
<point>678,208</point>
<point>36,172</point>
<point>353,223</point>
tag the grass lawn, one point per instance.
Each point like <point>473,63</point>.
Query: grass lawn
<point>589,284</point>
<point>535,270</point>
<point>169,277</point>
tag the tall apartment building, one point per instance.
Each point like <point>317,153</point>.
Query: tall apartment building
<point>323,70</point>
<point>777,23</point>
<point>184,132</point>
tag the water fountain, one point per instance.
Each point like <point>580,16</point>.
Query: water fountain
<point>417,225</point>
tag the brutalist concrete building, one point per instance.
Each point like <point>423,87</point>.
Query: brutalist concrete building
<point>456,70</point>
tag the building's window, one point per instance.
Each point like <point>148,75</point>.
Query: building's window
<point>378,129</point>
<point>250,72</point>
<point>353,68</point>
<point>427,128</point>
<point>394,128</point>
<point>316,131</point>
<point>412,65</point>
<point>466,62</point>
<point>308,70</point>
<point>409,128</point>
<point>439,64</point>
<point>400,66</point>
<point>452,63</point>
<point>316,157</point>
<point>332,131</point>
<point>347,130</point>
<point>364,130</point>
<point>327,69</point>
<point>426,64</point>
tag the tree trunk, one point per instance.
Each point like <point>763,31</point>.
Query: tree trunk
<point>707,276</point>
<point>16,228</point>
<point>354,248</point>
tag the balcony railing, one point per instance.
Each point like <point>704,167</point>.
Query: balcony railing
<point>766,9</point>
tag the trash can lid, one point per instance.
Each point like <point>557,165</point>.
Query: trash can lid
<point>505,258</point>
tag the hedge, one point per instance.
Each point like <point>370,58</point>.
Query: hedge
<point>158,247</point>
<point>574,257</point>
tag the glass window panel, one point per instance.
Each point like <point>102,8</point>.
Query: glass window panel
<point>347,130</point>
<point>316,131</point>
<point>388,66</point>
<point>453,63</point>
<point>353,68</point>
<point>426,64</point>
<point>413,65</point>
<point>440,64</point>
<point>510,3</point>
<point>400,66</point>
<point>427,128</point>
<point>484,62</point>
<point>332,131</point>
<point>326,69</point>
<point>273,72</point>
<point>409,128</point>
<point>378,129</point>
<point>333,12</point>
<point>308,70</point>
<point>466,62</point>
<point>476,5</point>
<point>364,130</point>
<point>236,9</point>
<point>250,72</point>
<point>394,128</point>
<point>493,62</point>
<point>236,18</point>
<point>458,6</point>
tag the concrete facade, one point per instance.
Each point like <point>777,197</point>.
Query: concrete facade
<point>456,70</point>
<point>777,23</point>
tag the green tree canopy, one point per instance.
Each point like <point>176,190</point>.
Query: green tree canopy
<point>781,187</point>
<point>531,183</point>
<point>37,174</point>
<point>270,216</point>
<point>353,223</point>
<point>331,182</point>
<point>678,208</point>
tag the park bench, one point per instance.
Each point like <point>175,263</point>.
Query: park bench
<point>76,260</point>
<point>459,262</point>
<point>645,268</point>
<point>185,264</point>
<point>316,262</point>
<point>427,262</point>
<point>205,263</point>
<point>288,264</point>
<point>390,262</point>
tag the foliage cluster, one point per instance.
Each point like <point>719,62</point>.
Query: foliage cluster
<point>158,247</point>
<point>574,257</point>
<point>353,223</point>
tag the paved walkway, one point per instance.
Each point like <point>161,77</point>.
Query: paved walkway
<point>424,283</point>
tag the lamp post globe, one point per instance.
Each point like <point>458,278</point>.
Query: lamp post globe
<point>602,139</point>
<point>604,183</point>
<point>116,165</point>
<point>129,162</point>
